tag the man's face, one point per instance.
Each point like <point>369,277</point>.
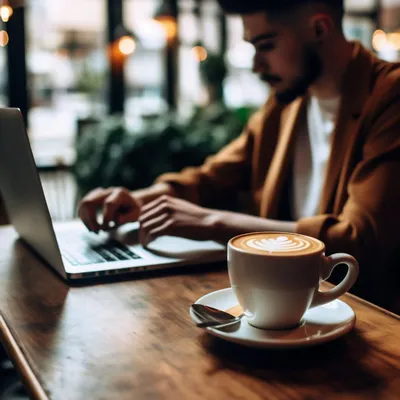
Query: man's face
<point>284,58</point>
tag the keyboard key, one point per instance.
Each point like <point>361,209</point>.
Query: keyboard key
<point>120,254</point>
<point>77,251</point>
<point>132,254</point>
<point>105,254</point>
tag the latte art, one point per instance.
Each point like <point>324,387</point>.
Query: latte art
<point>271,243</point>
<point>281,244</point>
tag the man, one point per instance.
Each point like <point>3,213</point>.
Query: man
<point>321,157</point>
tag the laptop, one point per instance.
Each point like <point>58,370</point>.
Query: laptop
<point>68,247</point>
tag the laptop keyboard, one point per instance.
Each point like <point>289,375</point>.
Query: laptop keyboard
<point>77,251</point>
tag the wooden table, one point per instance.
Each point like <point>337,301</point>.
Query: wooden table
<point>134,339</point>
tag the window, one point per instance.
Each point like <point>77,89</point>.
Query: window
<point>240,60</point>
<point>67,69</point>
<point>190,34</point>
<point>145,68</point>
<point>359,23</point>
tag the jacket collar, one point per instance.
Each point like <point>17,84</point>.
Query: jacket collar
<point>279,168</point>
<point>355,92</point>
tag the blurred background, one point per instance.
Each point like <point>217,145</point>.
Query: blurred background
<point>115,92</point>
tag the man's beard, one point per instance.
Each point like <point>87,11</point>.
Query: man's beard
<point>312,69</point>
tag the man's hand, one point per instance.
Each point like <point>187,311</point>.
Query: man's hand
<point>118,205</point>
<point>168,215</point>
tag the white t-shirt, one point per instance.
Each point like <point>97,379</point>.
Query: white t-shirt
<point>312,150</point>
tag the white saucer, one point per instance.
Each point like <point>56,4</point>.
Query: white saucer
<point>320,324</point>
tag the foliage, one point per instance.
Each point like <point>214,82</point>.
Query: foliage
<point>213,70</point>
<point>90,81</point>
<point>110,154</point>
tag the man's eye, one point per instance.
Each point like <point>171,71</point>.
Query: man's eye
<point>266,47</point>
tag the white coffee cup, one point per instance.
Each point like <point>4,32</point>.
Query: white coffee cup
<point>276,276</point>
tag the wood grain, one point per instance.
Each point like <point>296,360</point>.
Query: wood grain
<point>133,339</point>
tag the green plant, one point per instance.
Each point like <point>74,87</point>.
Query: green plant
<point>91,82</point>
<point>109,154</point>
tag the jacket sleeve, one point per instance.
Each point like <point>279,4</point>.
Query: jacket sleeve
<point>220,175</point>
<point>367,224</point>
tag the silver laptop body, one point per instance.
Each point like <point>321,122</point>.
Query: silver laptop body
<point>67,246</point>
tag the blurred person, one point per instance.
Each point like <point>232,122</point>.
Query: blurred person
<point>321,157</point>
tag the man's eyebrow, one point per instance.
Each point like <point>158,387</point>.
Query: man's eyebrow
<point>263,36</point>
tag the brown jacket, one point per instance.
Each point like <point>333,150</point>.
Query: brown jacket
<point>359,211</point>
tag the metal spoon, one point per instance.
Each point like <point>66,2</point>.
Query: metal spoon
<point>210,316</point>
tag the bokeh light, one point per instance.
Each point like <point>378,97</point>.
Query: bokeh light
<point>379,40</point>
<point>3,38</point>
<point>5,13</point>
<point>394,40</point>
<point>170,27</point>
<point>199,53</point>
<point>126,45</point>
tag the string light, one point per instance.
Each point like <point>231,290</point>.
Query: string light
<point>170,27</point>
<point>166,17</point>
<point>5,13</point>
<point>3,38</point>
<point>126,45</point>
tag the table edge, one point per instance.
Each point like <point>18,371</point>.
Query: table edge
<point>21,363</point>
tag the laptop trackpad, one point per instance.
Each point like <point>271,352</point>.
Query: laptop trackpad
<point>171,246</point>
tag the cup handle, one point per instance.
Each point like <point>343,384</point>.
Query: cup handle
<point>328,264</point>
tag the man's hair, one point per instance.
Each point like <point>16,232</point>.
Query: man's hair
<point>278,7</point>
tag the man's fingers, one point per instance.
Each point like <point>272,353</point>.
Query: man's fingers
<point>159,209</point>
<point>112,204</point>
<point>146,227</point>
<point>88,207</point>
<point>110,209</point>
<point>155,203</point>
<point>89,217</point>
<point>96,197</point>
<point>164,229</point>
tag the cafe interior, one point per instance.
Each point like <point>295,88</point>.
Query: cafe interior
<point>114,93</point>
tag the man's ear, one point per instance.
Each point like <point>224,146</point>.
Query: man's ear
<point>321,25</point>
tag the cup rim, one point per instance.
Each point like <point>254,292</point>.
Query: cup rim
<point>281,255</point>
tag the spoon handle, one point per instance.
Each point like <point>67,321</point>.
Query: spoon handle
<point>215,324</point>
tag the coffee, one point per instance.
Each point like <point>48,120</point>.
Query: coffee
<point>279,244</point>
